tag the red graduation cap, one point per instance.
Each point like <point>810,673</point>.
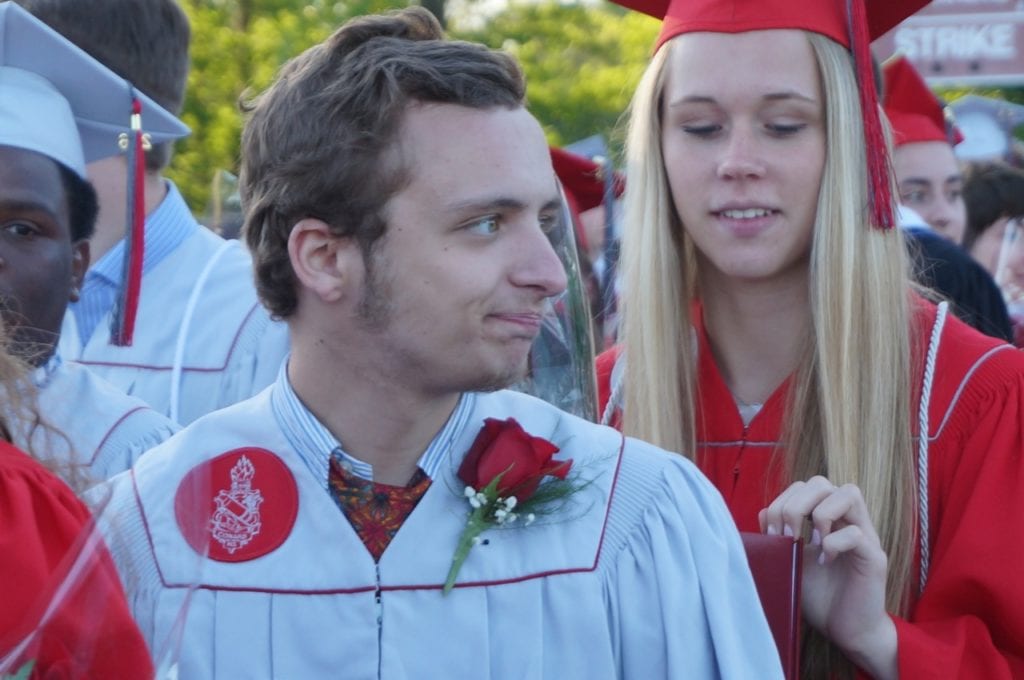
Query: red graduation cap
<point>583,179</point>
<point>852,23</point>
<point>915,113</point>
<point>584,183</point>
<point>828,17</point>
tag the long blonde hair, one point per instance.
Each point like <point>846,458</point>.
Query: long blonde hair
<point>16,391</point>
<point>849,414</point>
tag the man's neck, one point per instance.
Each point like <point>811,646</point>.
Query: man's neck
<point>109,178</point>
<point>379,422</point>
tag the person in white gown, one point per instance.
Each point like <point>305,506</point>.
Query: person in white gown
<point>201,339</point>
<point>47,213</point>
<point>398,197</point>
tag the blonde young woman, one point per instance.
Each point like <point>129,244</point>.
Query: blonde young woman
<point>770,330</point>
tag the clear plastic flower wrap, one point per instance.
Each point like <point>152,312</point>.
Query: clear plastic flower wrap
<point>561,369</point>
<point>68,607</point>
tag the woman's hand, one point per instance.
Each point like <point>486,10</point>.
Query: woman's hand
<point>843,592</point>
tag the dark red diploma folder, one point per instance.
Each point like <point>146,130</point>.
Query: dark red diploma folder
<point>776,562</point>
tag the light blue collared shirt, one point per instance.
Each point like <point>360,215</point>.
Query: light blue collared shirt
<point>166,228</point>
<point>316,445</point>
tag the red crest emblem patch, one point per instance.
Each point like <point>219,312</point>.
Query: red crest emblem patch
<point>238,506</point>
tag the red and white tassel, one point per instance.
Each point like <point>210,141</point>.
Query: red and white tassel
<point>123,322</point>
<point>883,213</point>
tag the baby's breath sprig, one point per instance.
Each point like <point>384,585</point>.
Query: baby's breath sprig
<point>489,510</point>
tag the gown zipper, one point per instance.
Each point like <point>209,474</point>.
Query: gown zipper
<point>739,457</point>
<point>380,622</point>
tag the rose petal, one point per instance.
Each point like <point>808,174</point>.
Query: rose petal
<point>510,455</point>
<point>542,449</point>
<point>468,471</point>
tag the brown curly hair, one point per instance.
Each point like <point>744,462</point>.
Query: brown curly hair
<point>321,142</point>
<point>991,190</point>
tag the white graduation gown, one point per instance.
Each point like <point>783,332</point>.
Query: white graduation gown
<point>92,423</point>
<point>215,331</point>
<point>644,578</point>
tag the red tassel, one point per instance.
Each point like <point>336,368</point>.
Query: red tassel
<point>124,330</point>
<point>879,168</point>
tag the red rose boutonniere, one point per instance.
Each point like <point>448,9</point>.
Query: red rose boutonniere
<point>504,474</point>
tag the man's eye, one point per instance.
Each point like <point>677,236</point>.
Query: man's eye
<point>485,225</point>
<point>20,228</point>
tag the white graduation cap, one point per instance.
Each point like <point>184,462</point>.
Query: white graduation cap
<point>57,100</point>
<point>987,125</point>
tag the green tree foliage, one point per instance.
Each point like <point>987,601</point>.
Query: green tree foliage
<point>1010,94</point>
<point>582,62</point>
<point>237,47</point>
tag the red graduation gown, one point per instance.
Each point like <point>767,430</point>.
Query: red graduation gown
<point>969,621</point>
<point>90,635</point>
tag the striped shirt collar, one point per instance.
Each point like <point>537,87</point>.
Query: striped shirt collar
<point>316,445</point>
<point>166,228</point>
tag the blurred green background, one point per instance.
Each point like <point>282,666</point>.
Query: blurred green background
<point>582,62</point>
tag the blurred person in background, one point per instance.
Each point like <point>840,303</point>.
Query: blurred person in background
<point>201,340</point>
<point>48,88</point>
<point>63,612</point>
<point>994,194</point>
<point>931,189</point>
<point>927,172</point>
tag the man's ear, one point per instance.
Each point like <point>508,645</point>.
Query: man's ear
<point>79,265</point>
<point>324,264</point>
